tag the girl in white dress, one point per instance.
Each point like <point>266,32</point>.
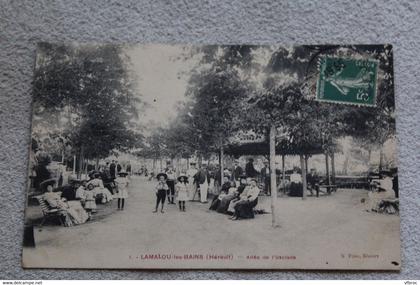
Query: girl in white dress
<point>122,184</point>
<point>182,191</point>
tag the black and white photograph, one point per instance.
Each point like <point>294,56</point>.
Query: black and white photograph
<point>213,157</point>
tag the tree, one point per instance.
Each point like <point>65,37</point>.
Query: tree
<point>89,93</point>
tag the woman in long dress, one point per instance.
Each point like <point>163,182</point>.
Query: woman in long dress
<point>72,211</point>
<point>182,191</point>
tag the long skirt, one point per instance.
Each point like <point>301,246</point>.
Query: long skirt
<point>215,203</point>
<point>296,189</point>
<point>245,209</point>
<point>76,212</point>
<point>224,204</point>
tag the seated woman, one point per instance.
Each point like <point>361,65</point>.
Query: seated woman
<point>296,188</point>
<point>72,211</point>
<point>228,188</point>
<point>99,189</point>
<point>381,191</point>
<point>226,200</point>
<point>244,208</point>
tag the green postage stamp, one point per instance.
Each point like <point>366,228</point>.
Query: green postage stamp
<point>347,80</point>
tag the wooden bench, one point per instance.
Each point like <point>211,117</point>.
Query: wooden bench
<point>48,212</point>
<point>329,189</point>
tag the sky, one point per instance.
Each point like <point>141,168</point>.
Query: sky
<point>162,78</point>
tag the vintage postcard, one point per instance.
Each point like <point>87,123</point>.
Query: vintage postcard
<point>213,157</point>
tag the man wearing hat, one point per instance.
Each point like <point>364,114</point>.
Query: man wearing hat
<point>202,178</point>
<point>237,172</point>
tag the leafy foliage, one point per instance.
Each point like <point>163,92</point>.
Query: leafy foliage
<point>88,92</point>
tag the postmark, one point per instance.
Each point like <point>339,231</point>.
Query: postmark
<point>347,81</point>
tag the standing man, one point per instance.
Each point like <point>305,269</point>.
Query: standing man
<point>112,170</point>
<point>119,168</point>
<point>202,178</point>
<point>265,178</point>
<point>171,185</point>
<point>237,172</point>
<point>128,169</point>
<point>250,170</point>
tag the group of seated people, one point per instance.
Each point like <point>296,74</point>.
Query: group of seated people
<point>239,202</point>
<point>77,201</point>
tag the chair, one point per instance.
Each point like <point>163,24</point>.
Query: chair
<point>48,211</point>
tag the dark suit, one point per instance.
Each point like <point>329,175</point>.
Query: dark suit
<point>250,170</point>
<point>237,173</point>
<point>265,177</point>
<point>313,181</point>
<point>112,168</point>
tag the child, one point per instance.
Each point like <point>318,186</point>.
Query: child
<point>90,204</point>
<point>122,184</point>
<point>81,193</point>
<point>161,189</point>
<point>182,191</point>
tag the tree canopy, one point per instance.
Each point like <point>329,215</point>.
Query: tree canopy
<point>88,93</point>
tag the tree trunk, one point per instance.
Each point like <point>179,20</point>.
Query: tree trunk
<point>97,164</point>
<point>327,169</point>
<point>200,160</point>
<point>346,162</point>
<point>81,159</point>
<point>178,170</point>
<point>74,164</point>
<point>333,168</point>
<point>154,164</point>
<point>283,172</point>
<point>221,165</point>
<point>273,183</point>
<point>303,167</point>
<point>161,164</point>
<point>381,159</point>
<point>188,163</point>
